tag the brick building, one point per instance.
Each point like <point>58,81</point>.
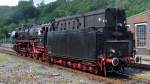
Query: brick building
<point>139,24</point>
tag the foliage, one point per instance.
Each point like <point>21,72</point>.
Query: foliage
<point>27,13</point>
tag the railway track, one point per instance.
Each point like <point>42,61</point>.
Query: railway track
<point>119,79</point>
<point>142,66</point>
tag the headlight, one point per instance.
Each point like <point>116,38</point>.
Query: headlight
<point>115,61</point>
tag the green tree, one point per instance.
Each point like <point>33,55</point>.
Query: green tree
<point>25,10</point>
<point>27,13</point>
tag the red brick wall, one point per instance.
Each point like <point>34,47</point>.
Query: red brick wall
<point>140,18</point>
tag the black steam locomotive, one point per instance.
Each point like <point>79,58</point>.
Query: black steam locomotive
<point>97,41</point>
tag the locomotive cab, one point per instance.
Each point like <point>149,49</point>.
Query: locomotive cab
<point>114,44</point>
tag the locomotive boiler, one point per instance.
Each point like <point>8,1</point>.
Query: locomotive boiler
<point>96,41</point>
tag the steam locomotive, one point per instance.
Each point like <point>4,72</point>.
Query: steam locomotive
<point>97,41</point>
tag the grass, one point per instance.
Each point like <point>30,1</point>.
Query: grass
<point>4,57</point>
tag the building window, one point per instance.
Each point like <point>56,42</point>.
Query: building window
<point>140,35</point>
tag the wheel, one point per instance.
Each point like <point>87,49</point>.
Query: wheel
<point>26,55</point>
<point>31,55</point>
<point>96,71</point>
<point>51,60</point>
<point>34,56</point>
<point>121,69</point>
<point>105,73</point>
